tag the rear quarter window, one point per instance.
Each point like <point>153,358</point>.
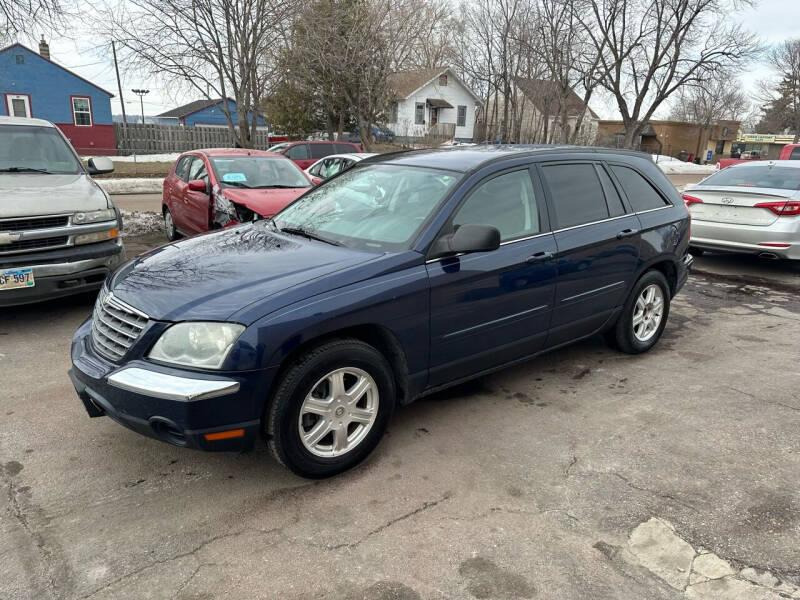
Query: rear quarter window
<point>345,149</point>
<point>641,195</point>
<point>577,194</point>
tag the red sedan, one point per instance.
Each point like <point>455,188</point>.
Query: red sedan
<point>218,187</point>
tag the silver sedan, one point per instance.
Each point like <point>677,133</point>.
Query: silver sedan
<point>752,208</point>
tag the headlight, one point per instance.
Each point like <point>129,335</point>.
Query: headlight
<point>82,218</point>
<point>97,236</point>
<point>197,344</point>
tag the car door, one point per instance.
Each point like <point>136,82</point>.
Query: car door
<point>177,189</point>
<point>197,204</point>
<point>300,155</point>
<point>489,308</point>
<point>597,244</point>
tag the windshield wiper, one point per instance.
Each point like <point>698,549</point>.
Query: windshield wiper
<point>23,170</point>
<point>307,234</point>
<point>240,184</point>
<point>281,186</point>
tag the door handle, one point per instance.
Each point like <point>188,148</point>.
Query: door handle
<point>625,233</point>
<point>539,257</point>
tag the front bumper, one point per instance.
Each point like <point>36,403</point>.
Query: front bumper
<point>219,412</point>
<point>63,272</point>
<point>749,239</point>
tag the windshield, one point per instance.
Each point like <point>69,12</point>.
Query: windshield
<point>371,207</point>
<point>278,147</point>
<point>763,176</point>
<point>32,148</point>
<point>258,172</point>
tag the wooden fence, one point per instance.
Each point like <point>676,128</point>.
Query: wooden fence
<point>138,138</point>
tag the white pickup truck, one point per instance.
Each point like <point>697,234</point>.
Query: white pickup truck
<point>59,231</point>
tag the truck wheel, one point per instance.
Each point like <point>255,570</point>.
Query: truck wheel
<point>331,408</point>
<point>169,226</point>
<point>644,315</point>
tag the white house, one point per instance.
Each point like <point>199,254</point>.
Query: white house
<point>434,103</point>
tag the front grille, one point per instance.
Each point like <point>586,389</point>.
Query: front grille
<point>115,326</point>
<point>33,223</point>
<point>34,244</point>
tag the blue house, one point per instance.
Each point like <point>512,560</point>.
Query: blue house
<point>204,112</point>
<point>32,85</point>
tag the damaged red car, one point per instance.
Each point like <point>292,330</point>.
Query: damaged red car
<point>218,187</point>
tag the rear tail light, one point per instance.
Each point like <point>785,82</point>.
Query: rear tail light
<point>689,200</point>
<point>782,209</point>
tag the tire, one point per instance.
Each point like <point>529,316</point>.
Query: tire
<point>306,400</point>
<point>169,226</point>
<point>637,338</point>
<point>696,251</point>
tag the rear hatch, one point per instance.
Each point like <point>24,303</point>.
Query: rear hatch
<point>737,205</point>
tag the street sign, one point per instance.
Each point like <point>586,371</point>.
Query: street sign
<point>709,155</point>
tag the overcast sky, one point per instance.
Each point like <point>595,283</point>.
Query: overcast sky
<point>772,20</point>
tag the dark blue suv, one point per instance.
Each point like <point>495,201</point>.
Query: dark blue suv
<point>408,273</point>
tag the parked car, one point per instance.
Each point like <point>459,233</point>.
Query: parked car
<point>788,152</point>
<point>751,208</point>
<point>219,187</point>
<point>405,274</point>
<point>59,231</point>
<point>304,154</point>
<point>379,134</point>
<point>331,165</point>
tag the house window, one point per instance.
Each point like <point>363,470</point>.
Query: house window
<point>20,59</point>
<point>393,115</point>
<point>462,116</point>
<point>81,111</point>
<point>18,105</point>
<point>443,79</point>
<point>419,113</point>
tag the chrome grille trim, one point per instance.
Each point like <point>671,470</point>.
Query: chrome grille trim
<point>115,326</point>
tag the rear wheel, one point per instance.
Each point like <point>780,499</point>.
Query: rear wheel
<point>331,408</point>
<point>169,226</point>
<point>644,315</point>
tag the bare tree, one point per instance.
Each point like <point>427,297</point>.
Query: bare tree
<point>781,96</point>
<point>212,48</point>
<point>717,99</point>
<point>21,17</point>
<point>651,48</point>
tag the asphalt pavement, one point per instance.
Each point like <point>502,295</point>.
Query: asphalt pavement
<point>583,474</point>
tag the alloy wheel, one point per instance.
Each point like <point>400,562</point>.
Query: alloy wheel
<point>648,312</point>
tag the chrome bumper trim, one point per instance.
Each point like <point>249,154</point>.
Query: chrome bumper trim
<point>170,387</point>
<point>68,268</point>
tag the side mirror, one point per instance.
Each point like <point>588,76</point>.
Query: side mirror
<point>316,180</point>
<point>468,238</point>
<point>100,165</point>
<point>198,185</point>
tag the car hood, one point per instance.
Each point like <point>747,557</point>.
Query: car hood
<point>214,275</point>
<point>265,202</point>
<point>33,194</point>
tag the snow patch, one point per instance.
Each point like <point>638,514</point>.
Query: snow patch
<point>131,185</point>
<point>137,222</point>
<point>673,166</point>
<point>168,157</point>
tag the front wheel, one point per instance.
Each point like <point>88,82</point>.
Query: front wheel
<point>331,408</point>
<point>644,315</point>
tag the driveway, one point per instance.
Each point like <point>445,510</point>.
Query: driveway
<point>583,474</point>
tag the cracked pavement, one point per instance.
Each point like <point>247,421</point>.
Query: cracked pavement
<point>578,475</point>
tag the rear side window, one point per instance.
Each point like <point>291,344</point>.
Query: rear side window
<point>795,155</point>
<point>506,202</point>
<point>322,150</point>
<point>641,195</point>
<point>344,149</point>
<point>298,152</point>
<point>577,194</point>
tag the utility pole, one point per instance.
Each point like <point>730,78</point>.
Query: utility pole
<point>141,94</point>
<point>119,86</point>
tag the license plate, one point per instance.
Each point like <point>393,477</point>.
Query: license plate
<point>16,278</point>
